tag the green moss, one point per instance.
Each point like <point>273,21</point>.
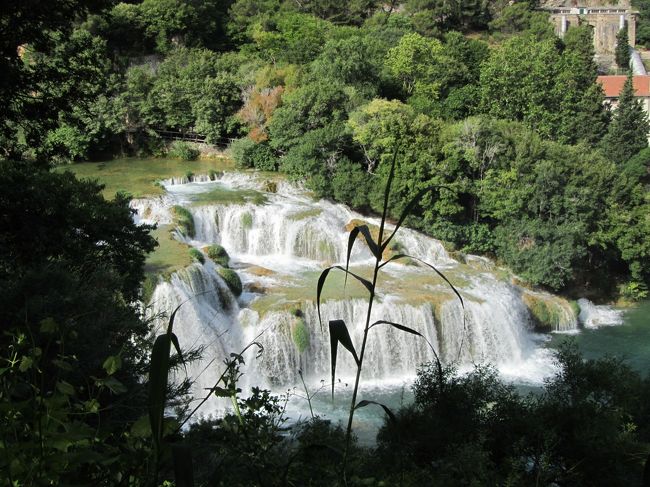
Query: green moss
<point>170,255</point>
<point>247,220</point>
<point>184,220</point>
<point>303,215</point>
<point>197,255</point>
<point>148,287</point>
<point>300,334</point>
<point>575,307</point>
<point>218,255</point>
<point>232,279</point>
<point>546,315</point>
<point>138,176</point>
<point>226,196</point>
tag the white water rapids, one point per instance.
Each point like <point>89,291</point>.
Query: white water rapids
<point>279,243</point>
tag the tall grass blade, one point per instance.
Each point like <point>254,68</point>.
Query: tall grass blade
<point>321,282</point>
<point>158,372</point>
<point>339,334</point>
<point>407,211</point>
<point>407,330</point>
<point>403,256</point>
<point>389,183</point>
<point>372,245</point>
<point>364,403</point>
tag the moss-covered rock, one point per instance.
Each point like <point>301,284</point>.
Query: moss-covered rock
<point>259,271</point>
<point>270,186</point>
<point>218,255</point>
<point>300,334</point>
<point>232,279</point>
<point>197,255</point>
<point>184,221</point>
<point>549,313</point>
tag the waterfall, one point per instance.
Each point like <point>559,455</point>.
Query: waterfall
<point>593,316</point>
<point>279,245</point>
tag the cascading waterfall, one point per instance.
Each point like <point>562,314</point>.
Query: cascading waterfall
<point>290,238</point>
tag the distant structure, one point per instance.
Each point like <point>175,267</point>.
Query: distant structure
<point>613,85</point>
<point>607,20</point>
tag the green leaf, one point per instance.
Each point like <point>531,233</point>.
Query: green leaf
<point>112,364</point>
<point>177,346</point>
<point>48,325</point>
<point>364,403</point>
<point>92,406</point>
<point>62,364</point>
<point>25,363</point>
<point>339,334</point>
<point>65,388</point>
<point>142,427</point>
<point>221,392</point>
<point>114,385</point>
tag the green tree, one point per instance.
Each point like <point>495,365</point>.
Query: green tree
<point>425,71</point>
<point>434,16</point>
<point>622,53</point>
<point>628,132</point>
<point>311,107</point>
<point>71,265</point>
<point>38,30</point>
<point>552,91</point>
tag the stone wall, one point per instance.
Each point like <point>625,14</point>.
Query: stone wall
<point>605,18</point>
<point>584,3</point>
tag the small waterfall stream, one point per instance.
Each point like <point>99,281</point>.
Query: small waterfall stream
<point>278,246</point>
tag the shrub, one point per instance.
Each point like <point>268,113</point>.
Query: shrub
<point>184,151</point>
<point>218,254</point>
<point>232,280</point>
<point>197,255</point>
<point>248,154</point>
<point>300,334</point>
<point>184,220</point>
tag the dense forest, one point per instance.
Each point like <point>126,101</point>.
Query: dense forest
<point>478,99</point>
<point>481,96</point>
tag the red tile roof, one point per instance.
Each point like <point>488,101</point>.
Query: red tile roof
<point>612,85</point>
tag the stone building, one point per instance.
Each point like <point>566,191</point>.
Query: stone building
<point>607,20</point>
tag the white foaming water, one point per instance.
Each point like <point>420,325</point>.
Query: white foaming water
<point>293,237</point>
<point>593,316</point>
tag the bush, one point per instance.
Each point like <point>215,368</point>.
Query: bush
<point>218,255</point>
<point>184,220</point>
<point>232,280</point>
<point>197,255</point>
<point>248,154</point>
<point>184,151</point>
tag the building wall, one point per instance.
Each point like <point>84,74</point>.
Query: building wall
<point>605,21</point>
